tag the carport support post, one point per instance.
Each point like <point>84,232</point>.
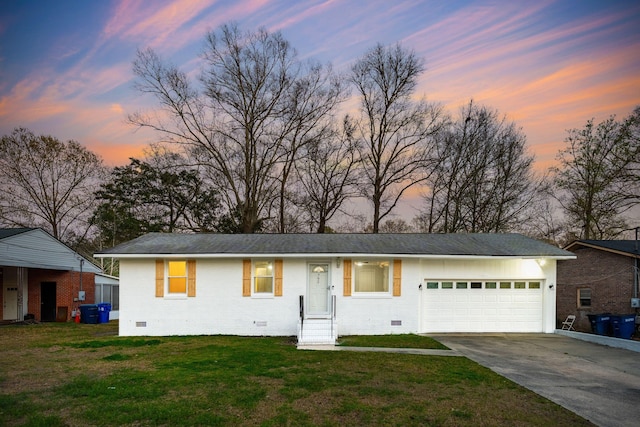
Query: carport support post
<point>635,269</point>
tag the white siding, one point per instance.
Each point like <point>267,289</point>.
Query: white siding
<point>37,249</point>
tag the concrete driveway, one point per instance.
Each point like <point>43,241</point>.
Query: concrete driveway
<point>599,383</point>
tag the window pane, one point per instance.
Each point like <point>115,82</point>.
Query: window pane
<point>476,285</point>
<point>432,285</point>
<point>263,284</point>
<point>371,276</point>
<point>584,296</point>
<point>490,285</point>
<point>505,285</point>
<point>264,269</point>
<point>534,285</point>
<point>461,285</point>
<point>177,284</point>
<point>519,285</point>
<point>177,268</point>
<point>115,305</point>
<point>106,294</point>
<point>447,285</point>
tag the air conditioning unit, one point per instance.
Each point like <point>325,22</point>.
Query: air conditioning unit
<point>635,302</point>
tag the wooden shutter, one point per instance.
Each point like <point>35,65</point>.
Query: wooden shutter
<point>277,291</point>
<point>246,277</point>
<point>346,265</point>
<point>397,277</point>
<point>159,278</point>
<point>191,278</point>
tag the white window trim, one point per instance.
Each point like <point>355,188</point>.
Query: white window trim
<point>175,295</point>
<point>263,295</point>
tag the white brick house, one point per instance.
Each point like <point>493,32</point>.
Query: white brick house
<point>319,286</point>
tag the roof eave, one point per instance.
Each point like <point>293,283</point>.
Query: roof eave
<point>323,255</point>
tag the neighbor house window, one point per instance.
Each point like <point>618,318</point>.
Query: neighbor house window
<point>263,277</point>
<point>371,276</point>
<point>584,297</point>
<point>108,293</point>
<point>177,277</point>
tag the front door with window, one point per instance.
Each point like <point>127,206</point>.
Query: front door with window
<point>319,289</point>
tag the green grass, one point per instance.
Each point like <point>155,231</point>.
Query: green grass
<point>396,341</point>
<point>66,374</point>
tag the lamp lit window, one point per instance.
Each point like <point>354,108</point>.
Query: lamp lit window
<point>177,277</point>
<point>263,277</point>
<point>371,276</point>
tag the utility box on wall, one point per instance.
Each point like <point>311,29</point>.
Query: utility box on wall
<point>81,295</point>
<point>635,302</point>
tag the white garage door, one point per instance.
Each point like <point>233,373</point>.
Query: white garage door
<point>481,306</point>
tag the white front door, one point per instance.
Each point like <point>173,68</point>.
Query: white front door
<point>10,294</point>
<point>319,290</point>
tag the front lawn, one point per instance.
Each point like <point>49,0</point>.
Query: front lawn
<point>394,341</point>
<point>77,375</point>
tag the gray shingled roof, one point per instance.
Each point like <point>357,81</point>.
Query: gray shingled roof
<point>631,247</point>
<point>282,244</point>
<point>8,232</point>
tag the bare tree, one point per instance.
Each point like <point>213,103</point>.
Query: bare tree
<point>598,177</point>
<point>328,176</point>
<point>47,183</point>
<point>482,180</point>
<point>256,105</point>
<point>393,129</point>
<point>313,98</point>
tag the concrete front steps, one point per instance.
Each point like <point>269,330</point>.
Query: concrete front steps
<point>317,331</point>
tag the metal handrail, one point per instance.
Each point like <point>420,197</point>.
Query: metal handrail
<point>301,313</point>
<point>333,312</point>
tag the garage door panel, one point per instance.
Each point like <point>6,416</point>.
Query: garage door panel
<point>482,310</point>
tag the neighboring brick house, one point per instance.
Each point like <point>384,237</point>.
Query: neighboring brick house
<point>603,279</point>
<point>41,276</point>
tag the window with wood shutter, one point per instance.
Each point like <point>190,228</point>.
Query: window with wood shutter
<point>397,277</point>
<point>159,278</point>
<point>278,278</point>
<point>191,278</point>
<point>175,277</point>
<point>346,265</point>
<point>246,277</point>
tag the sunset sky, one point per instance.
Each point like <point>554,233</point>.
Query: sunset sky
<point>65,66</point>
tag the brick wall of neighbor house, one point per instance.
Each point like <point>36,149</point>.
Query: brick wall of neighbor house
<point>68,285</point>
<point>608,275</point>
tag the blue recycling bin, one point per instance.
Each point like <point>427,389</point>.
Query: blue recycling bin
<point>103,312</point>
<point>623,326</point>
<point>600,323</point>
<point>89,313</point>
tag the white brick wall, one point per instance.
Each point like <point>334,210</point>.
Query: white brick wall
<point>220,308</point>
